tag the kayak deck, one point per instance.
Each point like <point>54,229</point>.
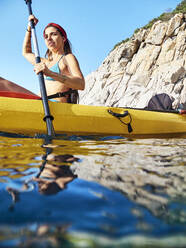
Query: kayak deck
<point>25,116</point>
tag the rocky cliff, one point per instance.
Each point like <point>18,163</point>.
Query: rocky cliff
<point>152,61</point>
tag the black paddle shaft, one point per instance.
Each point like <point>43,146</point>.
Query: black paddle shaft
<point>48,117</point>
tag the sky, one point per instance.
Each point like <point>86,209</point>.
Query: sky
<point>94,27</point>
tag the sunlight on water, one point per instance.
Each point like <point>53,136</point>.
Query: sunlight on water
<point>85,192</point>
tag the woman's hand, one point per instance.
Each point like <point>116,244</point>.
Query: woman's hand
<point>41,67</point>
<point>32,17</point>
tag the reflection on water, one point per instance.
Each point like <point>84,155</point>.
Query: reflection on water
<point>97,193</point>
<point>53,177</point>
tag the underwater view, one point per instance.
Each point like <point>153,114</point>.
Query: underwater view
<point>92,192</point>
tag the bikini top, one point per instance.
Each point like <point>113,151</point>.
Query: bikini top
<point>72,95</point>
<point>55,68</point>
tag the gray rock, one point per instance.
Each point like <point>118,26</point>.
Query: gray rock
<point>152,61</point>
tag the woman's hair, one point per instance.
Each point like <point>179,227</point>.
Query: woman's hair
<point>67,44</point>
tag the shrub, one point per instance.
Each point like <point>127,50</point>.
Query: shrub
<point>181,8</point>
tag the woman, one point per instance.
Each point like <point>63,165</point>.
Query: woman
<point>60,67</point>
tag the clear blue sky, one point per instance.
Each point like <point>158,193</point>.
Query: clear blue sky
<point>93,27</point>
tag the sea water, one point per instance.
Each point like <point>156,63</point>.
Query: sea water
<point>92,192</point>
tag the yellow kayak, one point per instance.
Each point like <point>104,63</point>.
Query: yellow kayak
<point>25,116</point>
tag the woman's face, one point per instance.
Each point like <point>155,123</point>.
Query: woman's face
<point>54,40</point>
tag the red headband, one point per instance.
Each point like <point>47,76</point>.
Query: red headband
<point>60,29</point>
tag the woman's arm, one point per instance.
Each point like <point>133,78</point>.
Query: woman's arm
<point>74,81</point>
<point>27,47</point>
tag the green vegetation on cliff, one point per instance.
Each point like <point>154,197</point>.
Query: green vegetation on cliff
<point>181,8</point>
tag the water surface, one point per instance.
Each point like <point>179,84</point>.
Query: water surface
<point>84,192</point>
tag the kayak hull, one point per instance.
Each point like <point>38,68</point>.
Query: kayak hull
<point>23,116</point>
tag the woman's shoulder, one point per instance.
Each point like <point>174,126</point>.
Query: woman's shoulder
<point>70,58</point>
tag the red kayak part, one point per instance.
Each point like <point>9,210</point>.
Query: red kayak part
<point>18,95</point>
